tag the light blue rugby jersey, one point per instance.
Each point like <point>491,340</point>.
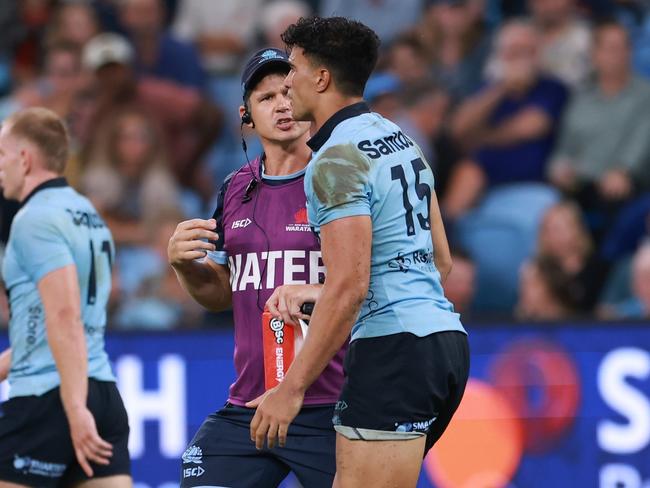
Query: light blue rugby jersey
<point>362,164</point>
<point>55,227</point>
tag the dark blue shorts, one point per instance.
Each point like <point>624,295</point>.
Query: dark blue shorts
<point>221,454</point>
<point>35,444</point>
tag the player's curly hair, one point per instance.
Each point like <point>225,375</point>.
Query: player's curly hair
<point>349,49</point>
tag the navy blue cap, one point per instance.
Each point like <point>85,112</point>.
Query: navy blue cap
<point>262,59</point>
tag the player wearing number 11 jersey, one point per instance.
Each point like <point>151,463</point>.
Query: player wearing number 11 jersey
<point>371,198</point>
<point>64,424</point>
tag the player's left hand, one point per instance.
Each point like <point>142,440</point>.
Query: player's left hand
<point>88,445</point>
<point>276,409</point>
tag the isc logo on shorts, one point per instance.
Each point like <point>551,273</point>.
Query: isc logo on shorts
<point>191,472</point>
<point>240,224</point>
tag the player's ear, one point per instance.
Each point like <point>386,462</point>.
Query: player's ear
<point>26,160</point>
<point>323,80</point>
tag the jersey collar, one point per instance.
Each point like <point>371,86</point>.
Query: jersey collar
<point>324,133</point>
<point>53,183</point>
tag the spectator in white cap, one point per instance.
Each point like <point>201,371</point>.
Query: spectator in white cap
<point>190,122</point>
<point>276,16</point>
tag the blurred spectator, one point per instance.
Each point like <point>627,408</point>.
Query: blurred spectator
<point>407,59</point>
<point>12,32</point>
<point>33,17</point>
<point>223,31</point>
<point>459,44</point>
<point>631,226</point>
<point>460,285</point>
<point>638,306</point>
<point>57,88</point>
<point>603,153</point>
<point>565,40</point>
<point>189,122</point>
<point>276,16</point>
<point>388,18</point>
<point>564,236</point>
<point>425,110</point>
<point>546,292</point>
<point>382,93</point>
<point>127,177</point>
<point>157,301</point>
<point>73,22</point>
<point>509,126</point>
<point>157,52</point>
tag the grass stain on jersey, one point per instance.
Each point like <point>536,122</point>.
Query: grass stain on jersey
<point>340,173</point>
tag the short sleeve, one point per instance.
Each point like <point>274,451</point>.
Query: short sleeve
<point>40,244</point>
<point>219,255</point>
<point>339,183</point>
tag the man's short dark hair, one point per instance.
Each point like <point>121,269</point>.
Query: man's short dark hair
<point>347,48</point>
<point>608,23</point>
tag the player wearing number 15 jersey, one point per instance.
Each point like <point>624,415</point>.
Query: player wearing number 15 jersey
<point>64,424</point>
<point>371,198</point>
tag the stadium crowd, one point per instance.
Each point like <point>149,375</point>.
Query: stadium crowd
<point>533,114</point>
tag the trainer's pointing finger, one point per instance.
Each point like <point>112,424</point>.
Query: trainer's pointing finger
<point>272,435</point>
<point>272,304</point>
<point>257,419</point>
<point>260,433</point>
<point>282,435</point>
<point>209,224</point>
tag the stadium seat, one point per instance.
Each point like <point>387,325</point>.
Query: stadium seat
<point>500,234</point>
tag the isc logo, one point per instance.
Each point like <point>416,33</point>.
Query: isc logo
<point>190,472</point>
<point>240,224</point>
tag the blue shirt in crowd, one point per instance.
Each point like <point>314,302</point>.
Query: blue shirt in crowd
<point>524,161</point>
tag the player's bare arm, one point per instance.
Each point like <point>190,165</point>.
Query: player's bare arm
<point>441,252</point>
<point>59,291</point>
<point>5,363</point>
<point>206,281</point>
<point>346,245</point>
<point>286,301</point>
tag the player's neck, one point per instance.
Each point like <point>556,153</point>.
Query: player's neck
<point>286,159</point>
<point>34,180</point>
<point>329,105</point>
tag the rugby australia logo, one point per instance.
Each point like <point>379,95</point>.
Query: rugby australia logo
<point>192,454</point>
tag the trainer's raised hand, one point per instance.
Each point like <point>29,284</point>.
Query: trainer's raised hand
<point>286,300</point>
<point>276,409</point>
<point>187,243</point>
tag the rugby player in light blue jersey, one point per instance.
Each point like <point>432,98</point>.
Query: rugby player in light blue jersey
<point>64,423</point>
<point>371,198</point>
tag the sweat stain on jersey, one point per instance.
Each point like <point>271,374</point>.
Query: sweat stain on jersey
<point>340,172</point>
